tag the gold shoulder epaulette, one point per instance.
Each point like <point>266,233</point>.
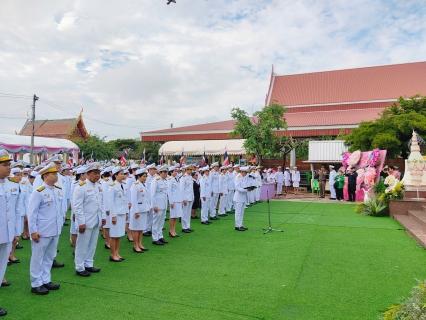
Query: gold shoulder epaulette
<point>105,179</point>
<point>13,179</point>
<point>158,178</point>
<point>41,189</point>
<point>57,187</point>
<point>112,184</point>
<point>23,183</point>
<point>137,182</point>
<point>184,175</point>
<point>82,183</point>
<point>238,176</point>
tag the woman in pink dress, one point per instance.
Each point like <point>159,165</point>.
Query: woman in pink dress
<point>345,189</point>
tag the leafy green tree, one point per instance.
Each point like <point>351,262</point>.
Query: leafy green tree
<point>121,144</point>
<point>393,130</point>
<point>151,150</point>
<point>260,130</point>
<point>101,149</point>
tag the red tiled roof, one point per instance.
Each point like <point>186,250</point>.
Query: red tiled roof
<point>299,119</point>
<point>362,84</point>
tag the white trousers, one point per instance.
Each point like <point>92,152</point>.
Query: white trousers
<point>332,192</point>
<point>247,197</point>
<point>85,248</point>
<point>223,202</point>
<point>205,207</point>
<point>149,219</point>
<point>158,224</point>
<point>5,249</point>
<point>252,196</point>
<point>239,213</point>
<point>279,188</point>
<point>230,201</point>
<point>258,193</point>
<point>213,204</point>
<point>186,215</point>
<point>42,256</point>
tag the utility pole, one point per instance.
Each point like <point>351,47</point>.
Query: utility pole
<point>35,98</point>
<point>171,125</point>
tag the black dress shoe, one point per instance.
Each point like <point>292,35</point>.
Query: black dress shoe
<point>106,247</point>
<point>244,227</point>
<point>147,234</point>
<point>173,236</point>
<point>2,312</point>
<point>196,217</point>
<point>5,284</point>
<point>73,253</point>
<point>205,222</point>
<point>18,246</point>
<point>57,264</point>
<point>9,263</point>
<point>167,219</point>
<point>83,273</point>
<point>158,243</point>
<point>137,251</point>
<point>163,241</point>
<point>14,261</point>
<point>113,260</point>
<point>186,231</point>
<point>66,224</point>
<point>190,230</point>
<point>52,286</point>
<point>93,269</point>
<point>222,215</point>
<point>40,290</point>
<point>214,218</point>
<point>129,239</point>
<point>240,229</point>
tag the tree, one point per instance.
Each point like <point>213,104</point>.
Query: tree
<point>393,129</point>
<point>151,150</point>
<point>101,149</point>
<point>260,130</point>
<point>286,144</point>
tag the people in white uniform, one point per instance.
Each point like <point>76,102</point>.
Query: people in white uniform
<point>287,179</point>
<point>205,195</point>
<point>45,220</point>
<point>151,174</point>
<point>223,191</point>
<point>295,177</point>
<point>187,187</point>
<point>258,177</point>
<point>231,188</point>
<point>106,181</point>
<point>175,196</point>
<point>79,177</point>
<point>159,205</point>
<point>118,209</point>
<point>214,184</point>
<point>332,179</point>
<point>279,177</point>
<point>130,179</point>
<point>88,210</point>
<point>240,197</point>
<point>17,174</point>
<point>10,213</point>
<point>140,209</point>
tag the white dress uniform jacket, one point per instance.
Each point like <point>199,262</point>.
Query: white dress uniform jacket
<point>159,200</point>
<point>88,204</point>
<point>141,203</point>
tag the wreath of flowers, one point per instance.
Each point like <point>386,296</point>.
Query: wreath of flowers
<point>364,161</point>
<point>374,157</point>
<point>354,158</point>
<point>345,158</point>
<point>360,177</point>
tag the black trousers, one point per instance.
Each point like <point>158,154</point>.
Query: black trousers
<point>339,193</point>
<point>351,191</point>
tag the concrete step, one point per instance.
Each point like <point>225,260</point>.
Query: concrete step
<point>413,227</point>
<point>419,216</point>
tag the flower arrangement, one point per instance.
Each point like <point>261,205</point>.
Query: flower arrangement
<point>364,161</point>
<point>390,182</point>
<point>374,157</point>
<point>360,178</point>
<point>345,158</point>
<point>354,158</point>
<point>369,176</point>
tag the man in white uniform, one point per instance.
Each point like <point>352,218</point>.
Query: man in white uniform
<point>332,179</point>
<point>214,183</point>
<point>159,205</point>
<point>279,177</point>
<point>149,178</point>
<point>287,179</point>
<point>205,195</point>
<point>231,188</point>
<point>240,198</point>
<point>88,209</point>
<point>186,185</point>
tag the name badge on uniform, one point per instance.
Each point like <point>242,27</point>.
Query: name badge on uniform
<point>90,190</point>
<point>13,190</point>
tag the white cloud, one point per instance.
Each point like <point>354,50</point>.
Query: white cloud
<point>147,64</point>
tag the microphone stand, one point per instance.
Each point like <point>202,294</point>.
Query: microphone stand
<point>269,217</point>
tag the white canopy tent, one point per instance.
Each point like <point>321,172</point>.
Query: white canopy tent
<point>198,147</point>
<point>22,144</point>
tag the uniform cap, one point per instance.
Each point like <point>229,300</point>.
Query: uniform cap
<point>109,169</point>
<point>4,156</point>
<point>48,169</point>
<point>331,166</point>
<point>172,168</point>
<point>287,168</point>
<point>237,166</point>
<point>151,166</point>
<point>17,164</point>
<point>81,170</point>
<point>215,164</point>
<point>141,171</point>
<point>294,167</point>
<point>93,166</point>
<point>15,170</point>
<point>26,170</point>
<point>134,166</point>
<point>163,168</point>
<point>116,170</point>
<point>56,158</point>
<point>34,174</point>
<point>65,166</point>
<point>39,167</point>
<point>244,169</point>
<point>125,171</point>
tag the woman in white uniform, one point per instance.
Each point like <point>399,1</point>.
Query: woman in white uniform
<point>295,177</point>
<point>139,211</point>
<point>175,195</point>
<point>79,177</point>
<point>119,208</point>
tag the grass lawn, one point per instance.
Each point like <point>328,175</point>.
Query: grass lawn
<point>329,263</point>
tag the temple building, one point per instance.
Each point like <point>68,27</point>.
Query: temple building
<point>320,103</point>
<point>71,129</point>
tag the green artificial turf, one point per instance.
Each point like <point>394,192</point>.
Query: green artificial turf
<point>329,263</point>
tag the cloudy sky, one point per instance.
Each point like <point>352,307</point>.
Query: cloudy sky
<point>143,65</point>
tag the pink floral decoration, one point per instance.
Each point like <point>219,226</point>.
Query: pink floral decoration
<point>345,158</point>
<point>360,178</point>
<point>374,157</point>
<point>364,161</point>
<point>369,176</point>
<point>354,158</point>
